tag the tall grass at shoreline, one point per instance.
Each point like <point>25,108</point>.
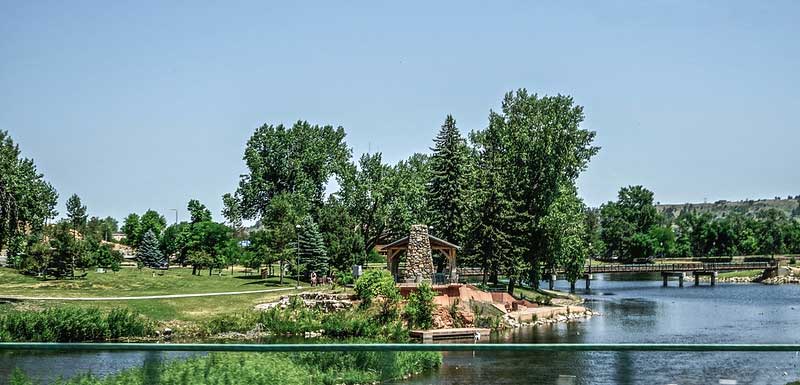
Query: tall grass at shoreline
<point>72,324</point>
<point>268,368</point>
<point>354,323</point>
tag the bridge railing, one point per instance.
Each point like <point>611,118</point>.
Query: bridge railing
<point>649,268</point>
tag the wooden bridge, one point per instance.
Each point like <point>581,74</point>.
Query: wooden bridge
<point>671,267</point>
<point>678,270</point>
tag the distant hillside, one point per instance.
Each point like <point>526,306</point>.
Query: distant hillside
<point>723,208</point>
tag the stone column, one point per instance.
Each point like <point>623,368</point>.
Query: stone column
<point>419,259</point>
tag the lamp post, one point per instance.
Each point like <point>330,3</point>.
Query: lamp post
<point>176,215</point>
<point>298,227</point>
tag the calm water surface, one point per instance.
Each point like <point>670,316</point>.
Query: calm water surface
<point>634,311</point>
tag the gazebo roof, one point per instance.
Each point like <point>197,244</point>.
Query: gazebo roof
<point>434,242</point>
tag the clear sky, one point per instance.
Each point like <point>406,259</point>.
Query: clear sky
<point>147,104</point>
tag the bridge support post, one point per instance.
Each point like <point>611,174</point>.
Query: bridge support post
<point>666,274</point>
<point>711,274</point>
<point>552,281</point>
<point>588,280</point>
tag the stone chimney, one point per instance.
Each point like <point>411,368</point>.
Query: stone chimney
<point>418,256</point>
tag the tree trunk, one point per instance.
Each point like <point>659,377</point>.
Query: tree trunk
<point>511,284</point>
<point>280,266</point>
<point>209,271</point>
<point>194,269</point>
<point>571,286</point>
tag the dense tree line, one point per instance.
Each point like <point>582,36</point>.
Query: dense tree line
<point>633,229</point>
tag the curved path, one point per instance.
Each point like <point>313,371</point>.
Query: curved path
<point>165,296</point>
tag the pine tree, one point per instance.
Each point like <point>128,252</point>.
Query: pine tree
<point>76,212</point>
<point>149,254</point>
<point>312,248</point>
<point>447,188</point>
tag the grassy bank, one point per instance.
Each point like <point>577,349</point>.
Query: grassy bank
<point>135,282</point>
<point>269,368</point>
<point>72,324</point>
<point>742,273</point>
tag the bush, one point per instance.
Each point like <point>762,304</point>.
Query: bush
<point>419,310</point>
<point>792,261</point>
<point>374,283</point>
<point>344,278</point>
<point>72,324</point>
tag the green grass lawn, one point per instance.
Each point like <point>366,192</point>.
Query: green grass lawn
<point>135,282</point>
<point>742,273</point>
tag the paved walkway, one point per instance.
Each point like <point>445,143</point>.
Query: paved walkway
<point>166,296</point>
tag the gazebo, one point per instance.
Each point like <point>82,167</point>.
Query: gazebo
<point>418,247</point>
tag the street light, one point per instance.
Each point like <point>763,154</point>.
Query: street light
<point>298,227</point>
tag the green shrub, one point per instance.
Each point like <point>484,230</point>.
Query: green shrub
<point>419,309</point>
<point>344,278</point>
<point>792,261</point>
<point>374,283</point>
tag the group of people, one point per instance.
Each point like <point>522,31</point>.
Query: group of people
<point>317,281</point>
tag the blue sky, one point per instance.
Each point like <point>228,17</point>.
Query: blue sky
<point>147,104</point>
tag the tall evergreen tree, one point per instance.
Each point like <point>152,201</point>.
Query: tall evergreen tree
<point>76,212</point>
<point>446,191</point>
<point>312,248</point>
<point>149,254</point>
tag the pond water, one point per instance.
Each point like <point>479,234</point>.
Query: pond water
<point>634,308</point>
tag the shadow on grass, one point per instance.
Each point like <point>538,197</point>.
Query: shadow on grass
<point>254,276</point>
